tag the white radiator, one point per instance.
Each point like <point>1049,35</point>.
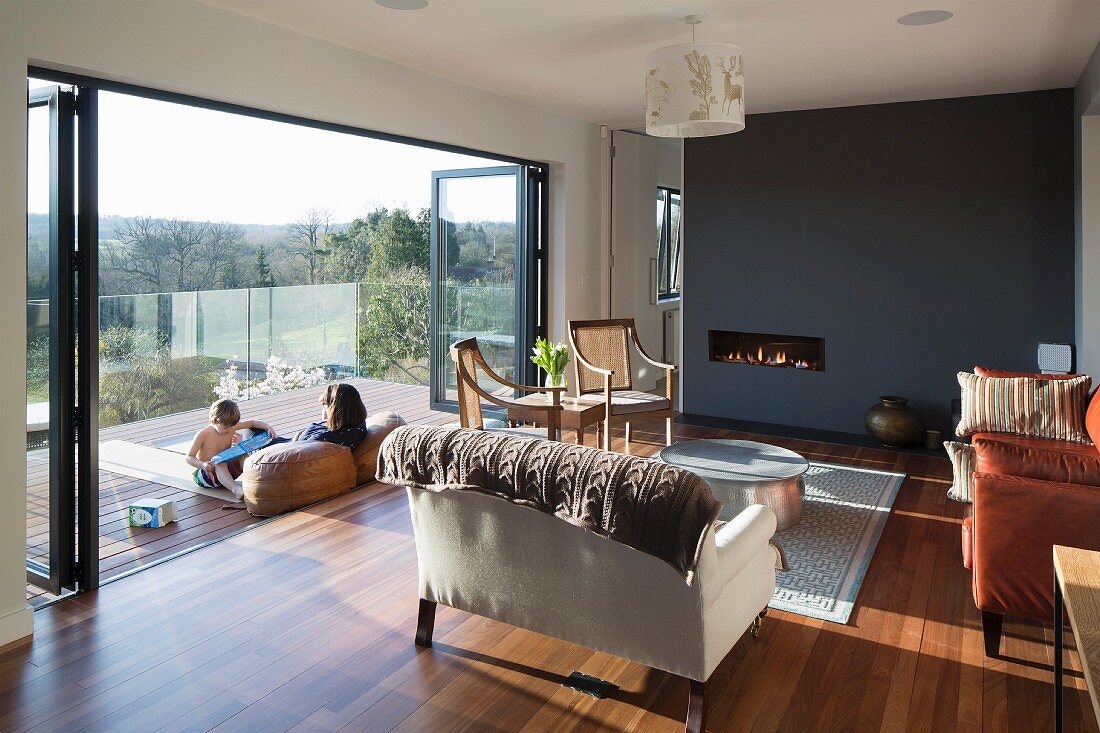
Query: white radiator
<point>670,322</point>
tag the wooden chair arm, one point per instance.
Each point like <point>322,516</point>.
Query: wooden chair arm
<point>501,380</point>
<point>506,403</point>
<point>465,376</point>
<point>507,383</point>
<point>641,351</point>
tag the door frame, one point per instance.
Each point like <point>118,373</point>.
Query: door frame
<point>58,575</point>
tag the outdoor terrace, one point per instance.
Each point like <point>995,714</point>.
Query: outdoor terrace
<point>201,518</point>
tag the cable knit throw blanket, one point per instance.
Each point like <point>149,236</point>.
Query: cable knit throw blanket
<point>659,509</point>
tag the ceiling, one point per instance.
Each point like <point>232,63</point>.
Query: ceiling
<point>586,58</point>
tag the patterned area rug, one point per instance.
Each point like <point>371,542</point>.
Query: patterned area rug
<point>829,550</point>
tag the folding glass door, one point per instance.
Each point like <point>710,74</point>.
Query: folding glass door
<point>60,164</point>
<point>487,269</point>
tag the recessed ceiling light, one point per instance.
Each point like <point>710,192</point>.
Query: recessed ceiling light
<point>403,4</point>
<point>921,17</point>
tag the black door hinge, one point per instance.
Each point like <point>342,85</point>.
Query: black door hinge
<point>78,420</point>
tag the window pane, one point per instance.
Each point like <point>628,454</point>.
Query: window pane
<point>674,244</point>
<point>38,335</point>
<point>668,243</point>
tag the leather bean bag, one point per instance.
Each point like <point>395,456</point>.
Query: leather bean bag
<point>379,425</point>
<point>289,476</point>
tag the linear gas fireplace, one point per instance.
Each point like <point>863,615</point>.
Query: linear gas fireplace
<point>768,349</point>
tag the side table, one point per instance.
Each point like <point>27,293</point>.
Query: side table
<point>574,415</point>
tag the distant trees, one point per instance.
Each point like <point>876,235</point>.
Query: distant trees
<point>393,335</point>
<point>153,255</point>
<point>306,237</point>
<point>394,302</point>
<point>386,252</point>
<point>347,253</point>
<point>264,277</point>
<point>169,255</point>
<point>397,240</point>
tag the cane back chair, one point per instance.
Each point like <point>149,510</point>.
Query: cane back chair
<point>601,364</point>
<point>468,360</point>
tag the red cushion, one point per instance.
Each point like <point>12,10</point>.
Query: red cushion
<point>1092,419</point>
<point>1038,458</point>
<point>1003,374</point>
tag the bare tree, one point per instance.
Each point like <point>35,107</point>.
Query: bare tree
<point>171,255</point>
<point>307,236</point>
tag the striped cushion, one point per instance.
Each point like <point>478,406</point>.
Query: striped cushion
<point>1036,408</point>
<point>962,470</point>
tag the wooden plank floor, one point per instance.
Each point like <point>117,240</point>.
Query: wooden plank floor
<point>306,624</point>
<point>202,519</point>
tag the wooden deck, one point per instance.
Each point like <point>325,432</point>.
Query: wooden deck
<point>306,624</point>
<point>201,518</point>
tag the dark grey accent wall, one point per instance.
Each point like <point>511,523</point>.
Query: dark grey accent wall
<point>917,238</point>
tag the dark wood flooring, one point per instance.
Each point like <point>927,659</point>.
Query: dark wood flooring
<point>306,624</point>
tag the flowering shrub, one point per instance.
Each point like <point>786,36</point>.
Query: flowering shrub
<point>280,377</point>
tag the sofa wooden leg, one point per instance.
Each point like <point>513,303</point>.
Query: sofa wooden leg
<point>992,623</point>
<point>697,707</point>
<point>627,437</point>
<point>425,623</point>
<point>757,623</point>
<point>670,434</point>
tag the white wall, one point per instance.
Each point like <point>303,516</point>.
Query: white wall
<point>1086,121</point>
<point>185,46</point>
<point>640,164</point>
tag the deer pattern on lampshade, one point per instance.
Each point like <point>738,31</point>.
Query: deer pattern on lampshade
<point>684,97</point>
<point>733,91</point>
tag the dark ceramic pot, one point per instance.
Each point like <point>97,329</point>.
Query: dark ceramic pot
<point>894,423</point>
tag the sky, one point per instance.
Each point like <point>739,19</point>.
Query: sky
<point>169,160</point>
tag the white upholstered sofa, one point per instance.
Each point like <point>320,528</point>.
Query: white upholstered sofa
<point>488,556</point>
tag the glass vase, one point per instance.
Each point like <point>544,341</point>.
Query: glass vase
<point>554,380</point>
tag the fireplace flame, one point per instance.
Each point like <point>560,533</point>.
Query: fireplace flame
<point>772,354</point>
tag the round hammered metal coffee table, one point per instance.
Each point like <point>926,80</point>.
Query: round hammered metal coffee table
<point>743,472</point>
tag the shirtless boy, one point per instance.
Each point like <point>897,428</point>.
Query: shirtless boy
<point>221,433</point>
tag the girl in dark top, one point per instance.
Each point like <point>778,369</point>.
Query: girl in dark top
<point>344,418</point>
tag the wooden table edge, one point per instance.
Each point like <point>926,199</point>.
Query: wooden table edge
<point>1092,676</point>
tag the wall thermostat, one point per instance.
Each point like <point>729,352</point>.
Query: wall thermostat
<point>1055,358</point>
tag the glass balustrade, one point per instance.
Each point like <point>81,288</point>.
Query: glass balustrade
<point>162,353</point>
